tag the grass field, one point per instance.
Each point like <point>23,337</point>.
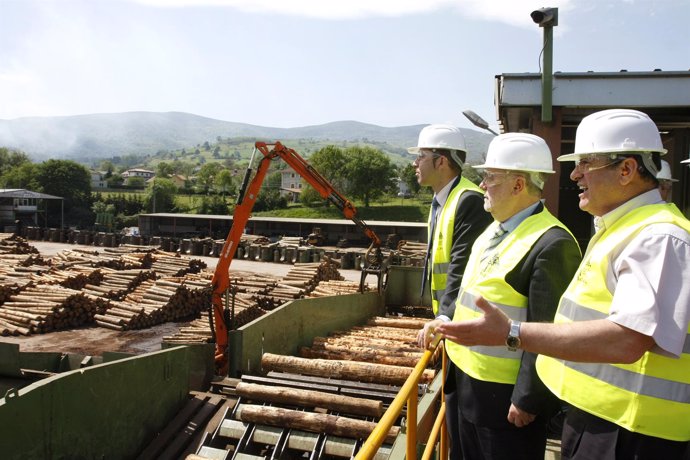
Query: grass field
<point>387,208</point>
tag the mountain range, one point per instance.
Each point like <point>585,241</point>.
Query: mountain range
<point>146,133</point>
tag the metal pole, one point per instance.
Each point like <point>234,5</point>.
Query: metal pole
<point>547,77</point>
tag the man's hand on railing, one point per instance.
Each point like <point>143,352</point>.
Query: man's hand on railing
<point>426,334</point>
<point>489,329</point>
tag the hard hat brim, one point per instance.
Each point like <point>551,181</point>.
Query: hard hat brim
<point>487,166</point>
<point>578,156</point>
<point>686,161</point>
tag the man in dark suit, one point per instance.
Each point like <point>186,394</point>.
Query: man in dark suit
<point>456,218</point>
<point>522,264</point>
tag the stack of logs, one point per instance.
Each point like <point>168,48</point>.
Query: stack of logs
<point>382,353</point>
<point>389,341</point>
<point>157,301</point>
<point>41,309</point>
<point>299,282</point>
<point>252,296</point>
<point>113,289</point>
<point>413,250</point>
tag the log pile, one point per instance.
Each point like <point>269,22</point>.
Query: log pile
<point>172,264</point>
<point>155,302</point>
<point>336,287</point>
<point>116,284</point>
<point>12,244</point>
<point>108,259</point>
<point>340,369</point>
<point>41,309</point>
<point>76,278</point>
<point>383,341</point>
<point>413,250</point>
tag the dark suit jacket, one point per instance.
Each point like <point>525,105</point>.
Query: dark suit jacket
<point>542,276</point>
<point>470,221</point>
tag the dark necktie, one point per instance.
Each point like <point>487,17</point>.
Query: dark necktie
<point>497,237</point>
<point>432,228</point>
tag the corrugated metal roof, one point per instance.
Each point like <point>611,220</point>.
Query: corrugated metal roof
<point>23,193</point>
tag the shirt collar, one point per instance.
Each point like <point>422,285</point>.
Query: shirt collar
<point>442,195</point>
<point>516,219</point>
<point>607,220</point>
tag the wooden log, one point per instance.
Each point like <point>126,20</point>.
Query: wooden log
<point>312,422</point>
<point>359,356</point>
<point>350,370</point>
<point>405,323</point>
<point>310,398</point>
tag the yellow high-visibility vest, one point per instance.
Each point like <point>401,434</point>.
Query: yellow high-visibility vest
<point>443,240</point>
<point>486,277</point>
<point>650,396</point>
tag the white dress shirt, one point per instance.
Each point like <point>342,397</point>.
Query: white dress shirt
<point>649,276</point>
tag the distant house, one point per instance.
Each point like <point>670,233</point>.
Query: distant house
<point>137,172</point>
<point>179,180</point>
<point>98,180</point>
<point>290,184</point>
<point>20,206</point>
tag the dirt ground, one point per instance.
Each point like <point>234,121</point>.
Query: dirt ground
<point>93,341</point>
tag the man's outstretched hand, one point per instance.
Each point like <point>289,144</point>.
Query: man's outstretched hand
<point>489,329</point>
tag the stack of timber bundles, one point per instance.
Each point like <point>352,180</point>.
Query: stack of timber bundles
<point>299,282</point>
<point>155,302</point>
<point>46,308</point>
<point>390,341</point>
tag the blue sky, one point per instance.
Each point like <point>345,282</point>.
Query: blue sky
<point>289,63</point>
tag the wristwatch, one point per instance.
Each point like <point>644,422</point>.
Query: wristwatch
<point>513,339</point>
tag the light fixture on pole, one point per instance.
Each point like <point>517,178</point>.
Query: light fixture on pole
<point>546,18</point>
<point>478,121</point>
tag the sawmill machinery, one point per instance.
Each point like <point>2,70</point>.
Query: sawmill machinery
<point>248,193</point>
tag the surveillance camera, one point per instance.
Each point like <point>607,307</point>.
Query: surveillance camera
<point>545,16</point>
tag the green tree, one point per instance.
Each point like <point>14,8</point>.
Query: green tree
<point>213,204</point>
<point>207,176</point>
<point>369,173</point>
<point>165,169</point>
<point>21,176</point>
<point>72,182</point>
<point>10,159</point>
<point>330,162</point>
<point>136,182</point>
<point>409,178</point>
<point>160,195</point>
<point>225,182</point>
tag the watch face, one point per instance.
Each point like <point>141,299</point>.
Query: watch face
<point>513,343</point>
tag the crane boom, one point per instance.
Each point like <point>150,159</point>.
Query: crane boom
<point>247,196</point>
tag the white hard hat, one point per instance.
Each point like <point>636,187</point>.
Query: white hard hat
<point>665,172</point>
<point>518,152</point>
<point>686,161</point>
<point>440,136</point>
<point>616,131</point>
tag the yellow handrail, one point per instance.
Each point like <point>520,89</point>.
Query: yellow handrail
<point>408,393</point>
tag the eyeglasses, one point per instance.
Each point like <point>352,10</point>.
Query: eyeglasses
<point>424,154</point>
<point>587,164</point>
<point>490,179</point>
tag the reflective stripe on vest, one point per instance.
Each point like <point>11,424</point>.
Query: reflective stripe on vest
<point>650,396</point>
<point>443,240</point>
<point>486,278</point>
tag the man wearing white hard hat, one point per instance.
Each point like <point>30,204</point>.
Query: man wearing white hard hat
<point>522,262</point>
<point>619,349</point>
<point>665,181</point>
<point>456,218</point>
